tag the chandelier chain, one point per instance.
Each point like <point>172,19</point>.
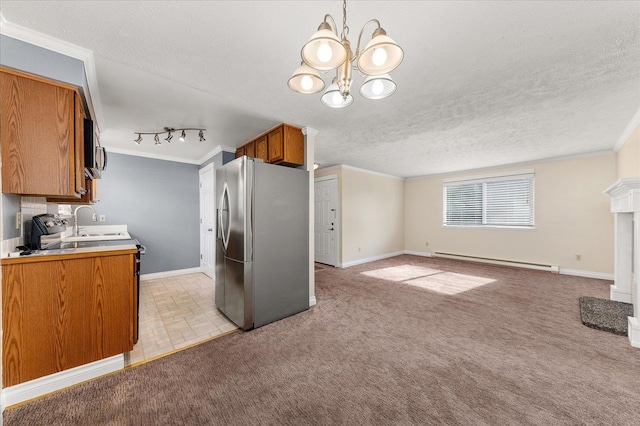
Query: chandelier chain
<point>345,28</point>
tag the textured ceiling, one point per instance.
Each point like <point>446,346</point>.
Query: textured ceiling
<point>482,83</point>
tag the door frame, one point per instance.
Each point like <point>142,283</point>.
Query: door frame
<point>201,172</point>
<point>338,223</point>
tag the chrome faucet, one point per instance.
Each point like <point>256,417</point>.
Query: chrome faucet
<point>75,218</point>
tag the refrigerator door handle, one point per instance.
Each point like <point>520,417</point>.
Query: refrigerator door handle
<point>225,208</point>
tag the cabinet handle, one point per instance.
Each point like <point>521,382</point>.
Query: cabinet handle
<point>210,229</point>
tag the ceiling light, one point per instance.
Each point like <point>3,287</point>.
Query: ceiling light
<point>306,80</point>
<point>378,87</point>
<point>325,51</point>
<point>170,131</point>
<point>334,99</point>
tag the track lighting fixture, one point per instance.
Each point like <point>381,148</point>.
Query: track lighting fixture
<point>170,131</point>
<point>325,52</point>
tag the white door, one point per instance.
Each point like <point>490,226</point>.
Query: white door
<point>326,220</point>
<point>207,218</point>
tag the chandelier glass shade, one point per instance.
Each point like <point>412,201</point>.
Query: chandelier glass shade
<point>169,131</point>
<point>378,87</point>
<point>325,51</point>
<point>306,80</point>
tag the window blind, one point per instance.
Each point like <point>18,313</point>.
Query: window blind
<point>495,201</point>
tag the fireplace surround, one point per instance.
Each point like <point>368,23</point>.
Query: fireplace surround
<point>625,205</point>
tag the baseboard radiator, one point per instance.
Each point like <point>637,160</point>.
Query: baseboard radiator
<point>541,267</point>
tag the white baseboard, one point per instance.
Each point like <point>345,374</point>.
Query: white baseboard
<point>634,332</point>
<point>54,382</point>
<point>586,274</point>
<point>371,259</point>
<point>418,253</point>
<point>167,274</point>
<point>312,301</point>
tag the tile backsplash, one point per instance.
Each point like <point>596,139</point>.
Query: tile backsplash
<point>29,206</point>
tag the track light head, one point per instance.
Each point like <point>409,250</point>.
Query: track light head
<point>183,136</point>
<point>201,136</point>
<point>168,138</point>
<point>139,140</point>
<point>157,139</point>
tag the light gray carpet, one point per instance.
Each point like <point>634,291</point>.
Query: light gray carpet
<point>604,314</point>
<point>406,340</point>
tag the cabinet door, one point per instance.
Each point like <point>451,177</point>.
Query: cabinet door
<point>108,303</point>
<point>78,154</point>
<point>240,152</point>
<point>293,146</point>
<point>43,318</point>
<point>37,136</point>
<point>250,150</point>
<point>276,145</point>
<point>60,314</point>
<point>262,150</point>
<point>90,195</point>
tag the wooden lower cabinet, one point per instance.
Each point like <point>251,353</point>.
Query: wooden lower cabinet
<point>59,314</point>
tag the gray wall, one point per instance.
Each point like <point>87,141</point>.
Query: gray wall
<point>37,60</point>
<point>219,159</point>
<point>159,202</point>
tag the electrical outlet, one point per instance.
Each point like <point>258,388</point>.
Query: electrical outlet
<point>18,219</point>
<point>426,243</point>
<point>359,249</point>
<point>102,218</point>
<point>578,257</point>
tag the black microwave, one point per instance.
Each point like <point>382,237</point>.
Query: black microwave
<point>95,156</point>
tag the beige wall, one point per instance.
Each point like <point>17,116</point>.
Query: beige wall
<point>571,217</point>
<point>628,157</point>
<point>371,213</point>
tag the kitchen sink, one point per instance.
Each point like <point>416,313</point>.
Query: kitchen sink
<point>99,233</point>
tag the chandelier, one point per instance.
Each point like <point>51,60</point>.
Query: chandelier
<point>170,130</point>
<point>325,51</point>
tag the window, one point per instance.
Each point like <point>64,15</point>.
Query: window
<point>494,201</point>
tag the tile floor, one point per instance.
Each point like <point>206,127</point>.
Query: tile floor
<point>176,312</point>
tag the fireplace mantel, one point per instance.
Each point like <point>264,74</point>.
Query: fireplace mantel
<point>625,204</point>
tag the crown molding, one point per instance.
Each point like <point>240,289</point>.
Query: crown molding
<point>523,163</point>
<point>635,122</point>
<point>45,41</point>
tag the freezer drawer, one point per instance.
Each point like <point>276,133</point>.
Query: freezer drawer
<point>238,293</point>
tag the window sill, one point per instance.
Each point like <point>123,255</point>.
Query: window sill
<point>493,227</point>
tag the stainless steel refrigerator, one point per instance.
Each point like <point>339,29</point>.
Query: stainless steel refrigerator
<point>262,242</point>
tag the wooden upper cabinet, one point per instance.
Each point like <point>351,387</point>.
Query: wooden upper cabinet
<point>42,136</point>
<point>262,149</point>
<point>282,145</point>
<point>250,149</point>
<point>286,146</point>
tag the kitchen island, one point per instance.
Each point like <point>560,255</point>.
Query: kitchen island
<point>67,307</point>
